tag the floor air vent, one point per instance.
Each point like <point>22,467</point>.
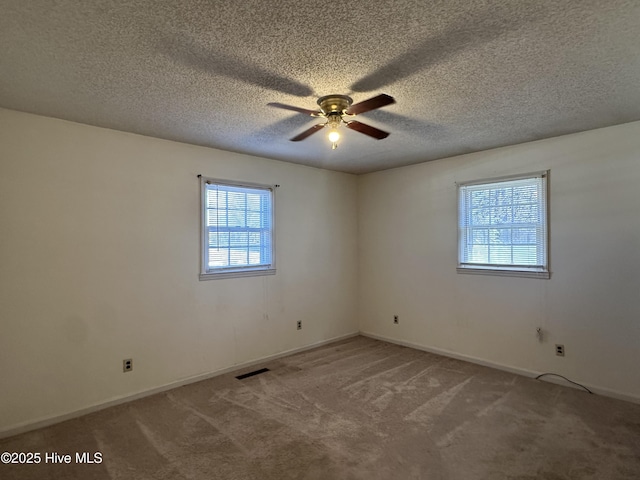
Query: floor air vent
<point>251,374</point>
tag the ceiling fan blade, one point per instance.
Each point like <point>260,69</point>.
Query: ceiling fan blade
<point>308,132</point>
<point>371,104</point>
<point>292,108</point>
<point>367,130</point>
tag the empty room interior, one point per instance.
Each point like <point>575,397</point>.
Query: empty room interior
<point>344,240</point>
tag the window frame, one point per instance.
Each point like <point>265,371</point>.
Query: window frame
<point>245,271</point>
<point>505,270</point>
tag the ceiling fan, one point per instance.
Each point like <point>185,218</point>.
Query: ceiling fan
<point>337,109</point>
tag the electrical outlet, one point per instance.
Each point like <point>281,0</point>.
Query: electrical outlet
<point>559,350</point>
<point>396,320</point>
<point>299,325</point>
<point>127,365</point>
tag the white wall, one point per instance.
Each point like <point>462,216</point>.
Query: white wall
<point>99,256</point>
<point>591,304</point>
<point>99,261</point>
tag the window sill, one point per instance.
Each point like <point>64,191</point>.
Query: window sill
<point>504,272</point>
<point>237,274</point>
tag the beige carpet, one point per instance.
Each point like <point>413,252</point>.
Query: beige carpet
<point>356,409</point>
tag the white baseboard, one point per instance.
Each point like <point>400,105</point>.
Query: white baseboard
<point>507,368</point>
<point>48,421</point>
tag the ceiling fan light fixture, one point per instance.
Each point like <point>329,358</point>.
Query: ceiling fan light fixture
<point>334,136</point>
<point>334,120</point>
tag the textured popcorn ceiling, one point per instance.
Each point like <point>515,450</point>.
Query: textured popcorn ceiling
<point>466,75</point>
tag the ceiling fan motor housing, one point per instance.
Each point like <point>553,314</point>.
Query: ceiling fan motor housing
<point>334,104</point>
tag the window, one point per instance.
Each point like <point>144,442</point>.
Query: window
<point>237,229</point>
<point>502,226</point>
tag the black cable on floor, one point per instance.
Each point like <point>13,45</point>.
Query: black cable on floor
<point>570,381</point>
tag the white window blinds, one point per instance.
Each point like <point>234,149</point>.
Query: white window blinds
<point>502,224</point>
<point>238,228</point>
